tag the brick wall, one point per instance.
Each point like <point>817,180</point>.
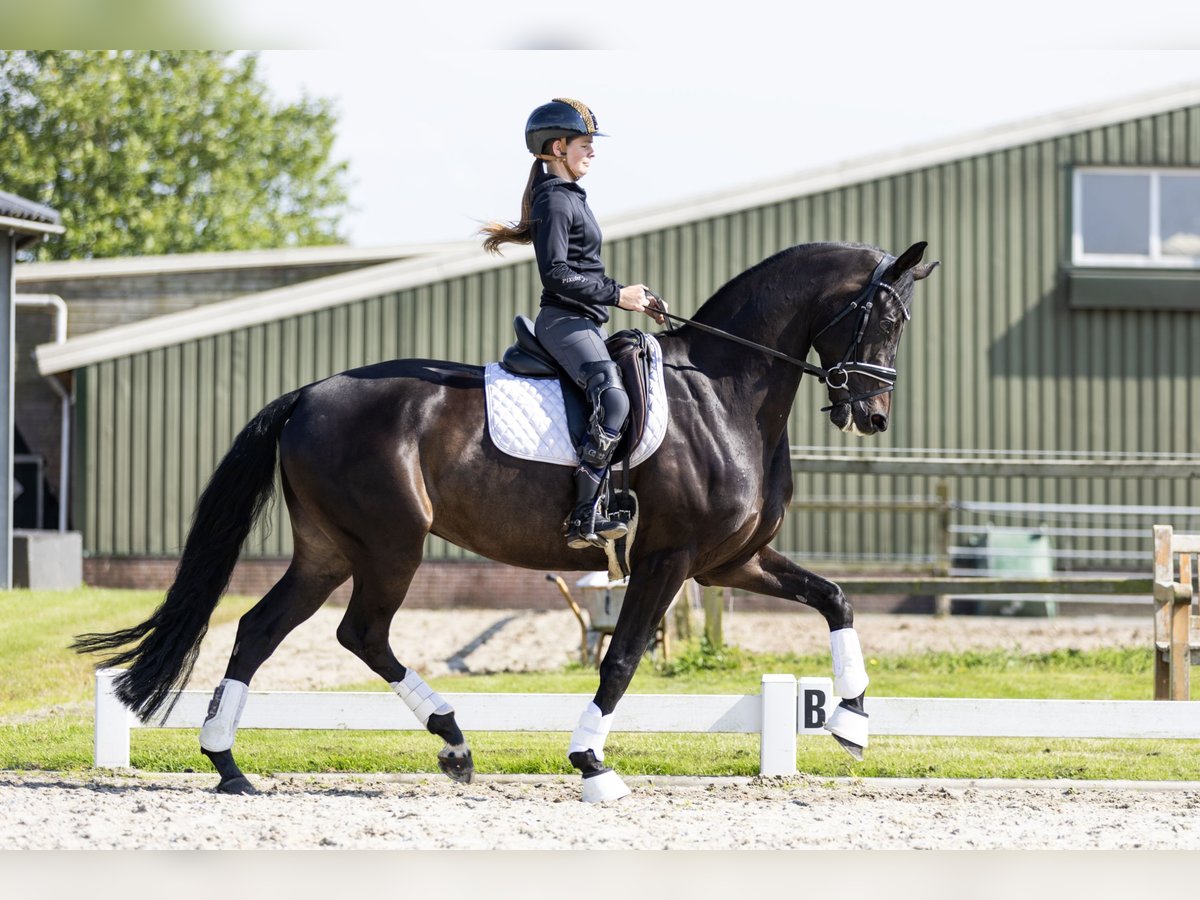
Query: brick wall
<point>437,585</point>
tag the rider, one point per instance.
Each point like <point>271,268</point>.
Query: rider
<point>576,294</point>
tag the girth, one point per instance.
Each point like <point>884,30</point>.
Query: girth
<point>528,358</point>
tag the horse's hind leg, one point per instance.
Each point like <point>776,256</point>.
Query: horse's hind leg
<point>773,574</point>
<point>364,631</point>
<point>295,597</point>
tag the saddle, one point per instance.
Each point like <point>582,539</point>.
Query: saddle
<point>529,359</point>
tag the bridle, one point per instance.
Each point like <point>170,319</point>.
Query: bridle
<point>837,376</point>
<point>863,302</point>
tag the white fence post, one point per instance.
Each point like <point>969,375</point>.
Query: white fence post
<point>777,753</point>
<point>112,724</point>
<point>814,701</point>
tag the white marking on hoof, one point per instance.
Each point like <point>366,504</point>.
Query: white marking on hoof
<point>849,724</point>
<point>605,786</point>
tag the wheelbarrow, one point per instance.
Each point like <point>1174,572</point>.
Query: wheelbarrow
<point>597,613</point>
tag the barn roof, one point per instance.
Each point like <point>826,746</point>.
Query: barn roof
<point>286,302</point>
<point>30,220</point>
<point>127,266</point>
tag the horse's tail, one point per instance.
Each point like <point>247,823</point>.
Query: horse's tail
<point>231,502</point>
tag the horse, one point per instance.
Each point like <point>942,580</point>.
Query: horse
<point>373,459</point>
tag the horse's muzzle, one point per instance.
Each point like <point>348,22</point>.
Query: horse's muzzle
<point>857,418</point>
<point>841,416</point>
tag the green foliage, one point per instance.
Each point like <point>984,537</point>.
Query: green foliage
<point>147,152</point>
<point>117,23</point>
<point>702,656</point>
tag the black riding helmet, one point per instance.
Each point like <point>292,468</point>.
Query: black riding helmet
<point>561,117</point>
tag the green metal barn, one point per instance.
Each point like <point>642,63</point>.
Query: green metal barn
<point>1065,318</point>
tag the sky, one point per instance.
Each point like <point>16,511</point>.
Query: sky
<point>432,118</point>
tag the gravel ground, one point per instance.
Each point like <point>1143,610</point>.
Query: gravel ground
<point>49,811</point>
<point>55,812</point>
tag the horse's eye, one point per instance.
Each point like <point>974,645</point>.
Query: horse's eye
<point>887,326</point>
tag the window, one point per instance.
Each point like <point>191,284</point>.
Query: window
<point>1137,218</point>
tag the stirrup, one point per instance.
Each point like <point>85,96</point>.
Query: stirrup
<point>611,529</point>
<point>588,529</point>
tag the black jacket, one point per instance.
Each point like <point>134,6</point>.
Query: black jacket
<point>566,239</point>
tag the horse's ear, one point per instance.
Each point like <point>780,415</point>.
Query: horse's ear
<point>923,271</point>
<point>907,260</point>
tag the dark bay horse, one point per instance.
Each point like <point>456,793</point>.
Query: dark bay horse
<point>374,459</point>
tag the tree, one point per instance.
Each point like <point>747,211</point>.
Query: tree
<point>148,152</point>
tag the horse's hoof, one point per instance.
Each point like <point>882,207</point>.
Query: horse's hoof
<point>602,785</point>
<point>458,768</point>
<point>238,785</point>
<point>850,747</point>
<point>848,724</point>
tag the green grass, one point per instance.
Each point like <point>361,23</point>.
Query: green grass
<point>38,671</point>
<point>65,744</point>
<point>36,628</point>
<point>1123,674</point>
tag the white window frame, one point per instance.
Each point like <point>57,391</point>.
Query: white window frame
<point>1155,259</point>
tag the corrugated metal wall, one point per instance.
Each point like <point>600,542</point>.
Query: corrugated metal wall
<point>993,358</point>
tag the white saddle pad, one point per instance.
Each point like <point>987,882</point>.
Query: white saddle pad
<point>528,419</point>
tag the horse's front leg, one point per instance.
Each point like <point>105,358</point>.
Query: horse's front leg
<point>770,573</point>
<point>653,583</point>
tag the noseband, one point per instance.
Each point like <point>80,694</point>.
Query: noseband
<point>837,377</point>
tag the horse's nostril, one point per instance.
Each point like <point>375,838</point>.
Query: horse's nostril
<point>880,421</point>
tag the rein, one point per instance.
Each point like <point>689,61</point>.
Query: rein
<point>822,374</point>
<point>837,376</point>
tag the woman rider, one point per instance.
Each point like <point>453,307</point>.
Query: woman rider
<point>576,294</point>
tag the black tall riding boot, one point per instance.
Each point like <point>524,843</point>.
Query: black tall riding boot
<point>585,528</point>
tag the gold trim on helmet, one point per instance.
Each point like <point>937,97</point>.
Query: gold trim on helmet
<point>589,120</point>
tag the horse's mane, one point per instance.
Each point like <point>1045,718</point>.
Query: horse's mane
<point>739,282</point>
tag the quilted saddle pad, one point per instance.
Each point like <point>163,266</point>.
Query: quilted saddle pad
<point>527,418</point>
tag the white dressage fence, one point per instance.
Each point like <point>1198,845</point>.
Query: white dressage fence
<point>786,708</point>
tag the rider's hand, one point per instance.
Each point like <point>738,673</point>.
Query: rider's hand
<point>633,298</point>
<point>638,298</point>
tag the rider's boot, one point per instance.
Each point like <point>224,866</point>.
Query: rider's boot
<point>585,526</point>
